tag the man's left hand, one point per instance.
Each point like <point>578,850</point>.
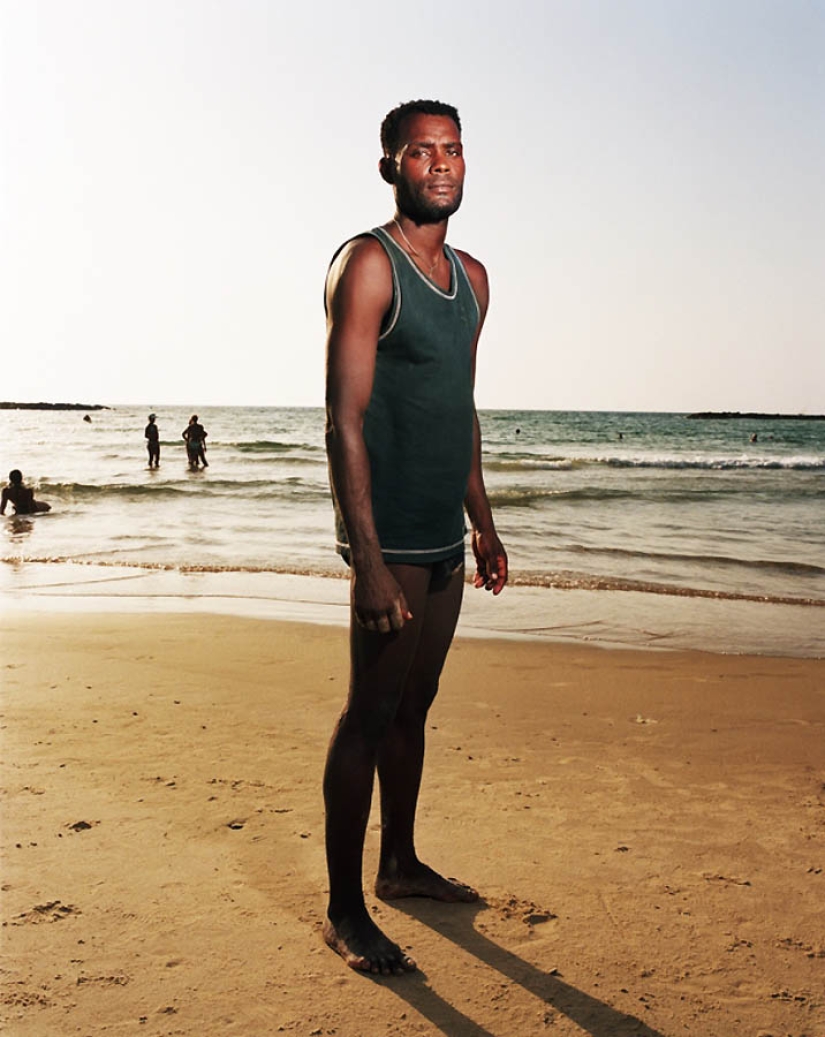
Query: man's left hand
<point>491,562</point>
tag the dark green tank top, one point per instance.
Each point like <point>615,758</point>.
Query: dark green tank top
<point>418,427</point>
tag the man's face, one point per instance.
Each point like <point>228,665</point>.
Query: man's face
<point>427,171</point>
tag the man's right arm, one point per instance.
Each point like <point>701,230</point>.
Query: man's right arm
<point>359,293</point>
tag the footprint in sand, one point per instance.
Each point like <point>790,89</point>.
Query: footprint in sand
<point>524,910</point>
<point>53,911</point>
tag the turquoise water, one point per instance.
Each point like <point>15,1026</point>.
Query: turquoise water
<point>641,509</point>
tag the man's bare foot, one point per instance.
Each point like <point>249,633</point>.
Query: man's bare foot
<point>365,948</point>
<point>424,882</point>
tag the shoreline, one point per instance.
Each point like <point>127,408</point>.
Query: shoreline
<point>612,619</point>
<point>163,860</point>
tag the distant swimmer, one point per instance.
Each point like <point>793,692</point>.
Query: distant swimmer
<point>152,435</point>
<point>754,437</point>
<point>195,435</point>
<point>22,497</point>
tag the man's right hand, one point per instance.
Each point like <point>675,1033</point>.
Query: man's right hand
<point>378,601</point>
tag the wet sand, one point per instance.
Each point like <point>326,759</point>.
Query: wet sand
<point>617,619</point>
<point>647,830</point>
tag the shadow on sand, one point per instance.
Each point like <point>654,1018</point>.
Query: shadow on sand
<point>594,1017</point>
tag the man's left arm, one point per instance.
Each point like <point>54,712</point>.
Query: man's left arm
<point>491,558</point>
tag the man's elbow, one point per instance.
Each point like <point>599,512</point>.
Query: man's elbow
<point>343,422</point>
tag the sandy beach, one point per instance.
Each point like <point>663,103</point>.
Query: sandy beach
<point>647,830</point>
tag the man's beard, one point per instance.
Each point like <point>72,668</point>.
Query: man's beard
<point>420,210</point>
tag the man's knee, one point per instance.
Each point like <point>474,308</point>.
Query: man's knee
<point>372,723</point>
<point>419,695</point>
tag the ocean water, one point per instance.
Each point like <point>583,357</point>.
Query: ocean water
<point>638,529</point>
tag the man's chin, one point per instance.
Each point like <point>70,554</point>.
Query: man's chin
<point>423,214</point>
<point>423,209</point>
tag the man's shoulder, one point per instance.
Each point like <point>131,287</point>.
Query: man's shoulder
<point>361,261</point>
<point>470,263</point>
<point>364,247</point>
<point>477,275</point>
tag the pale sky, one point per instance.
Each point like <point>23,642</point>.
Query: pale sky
<point>645,184</point>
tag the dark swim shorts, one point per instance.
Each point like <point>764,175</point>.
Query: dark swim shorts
<point>442,570</point>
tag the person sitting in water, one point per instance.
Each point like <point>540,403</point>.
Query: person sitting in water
<point>22,497</point>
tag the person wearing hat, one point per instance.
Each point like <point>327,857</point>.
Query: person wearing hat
<point>153,442</point>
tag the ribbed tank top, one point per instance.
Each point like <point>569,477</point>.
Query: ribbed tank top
<point>418,427</point>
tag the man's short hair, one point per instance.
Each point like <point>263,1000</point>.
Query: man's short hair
<point>394,120</point>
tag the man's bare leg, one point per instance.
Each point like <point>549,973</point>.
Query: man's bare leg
<point>401,755</point>
<point>380,663</point>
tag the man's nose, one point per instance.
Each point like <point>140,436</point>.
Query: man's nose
<point>441,162</point>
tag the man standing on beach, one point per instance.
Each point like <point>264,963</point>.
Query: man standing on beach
<point>404,314</point>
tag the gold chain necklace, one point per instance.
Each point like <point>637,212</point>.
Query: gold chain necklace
<point>413,251</point>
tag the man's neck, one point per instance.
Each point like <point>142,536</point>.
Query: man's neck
<point>423,242</point>
<point>426,237</point>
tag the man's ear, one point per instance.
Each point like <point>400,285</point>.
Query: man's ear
<point>386,167</point>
